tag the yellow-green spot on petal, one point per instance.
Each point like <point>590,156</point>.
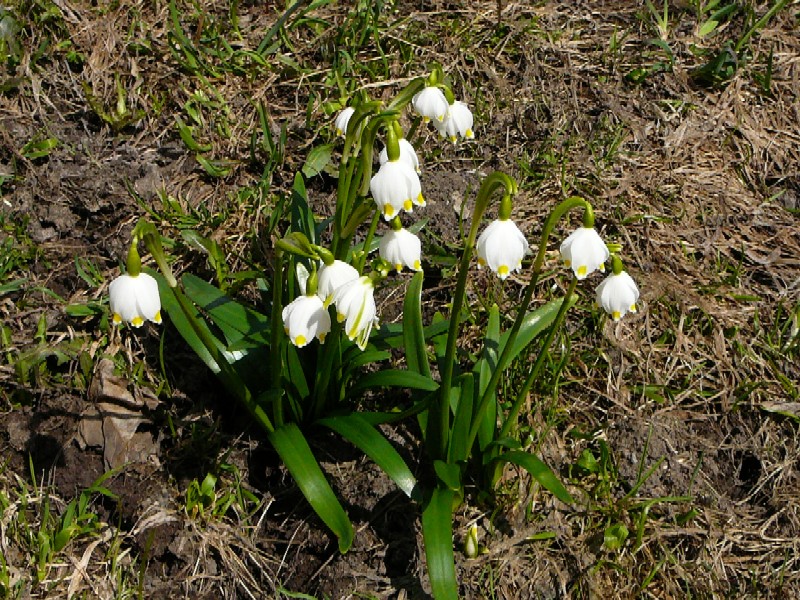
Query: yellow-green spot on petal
<point>469,134</point>
<point>426,119</point>
<point>137,321</point>
<point>286,330</point>
<point>567,263</point>
<point>633,308</point>
<point>453,139</point>
<point>398,267</point>
<point>420,199</point>
<point>300,340</point>
<point>582,270</point>
<point>602,267</point>
<point>340,317</point>
<point>408,204</point>
<point>502,270</point>
<point>482,262</point>
<point>417,265</point>
<point>321,338</point>
<point>616,315</point>
<point>388,210</point>
<point>116,319</point>
<point>157,317</point>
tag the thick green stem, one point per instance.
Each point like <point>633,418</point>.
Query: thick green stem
<point>489,185</point>
<point>549,224</point>
<point>368,241</point>
<point>511,418</point>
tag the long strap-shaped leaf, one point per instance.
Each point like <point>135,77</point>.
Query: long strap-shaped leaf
<point>413,333</point>
<point>394,378</point>
<point>539,471</point>
<point>437,532</point>
<point>293,449</point>
<point>371,442</point>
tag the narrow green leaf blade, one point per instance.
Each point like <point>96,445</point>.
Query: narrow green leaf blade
<point>437,533</point>
<point>394,378</point>
<point>539,471</point>
<point>293,449</point>
<point>413,333</point>
<point>369,440</point>
<point>458,450</point>
<point>485,367</point>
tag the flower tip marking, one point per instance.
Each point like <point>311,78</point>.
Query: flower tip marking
<point>388,211</point>
<point>502,271</point>
<point>116,319</point>
<point>340,317</point>
<point>417,265</point>
<point>157,318</point>
<point>137,321</point>
<point>616,315</point>
<point>582,271</point>
<point>300,341</point>
<point>408,205</point>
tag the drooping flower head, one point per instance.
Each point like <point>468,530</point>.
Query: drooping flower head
<point>401,248</point>
<point>430,103</point>
<point>333,276</point>
<point>396,187</point>
<point>305,318</point>
<point>342,119</point>
<point>584,252</point>
<point>407,154</point>
<point>617,294</point>
<point>134,299</point>
<point>457,122</point>
<point>502,246</point>
<point>355,306</point>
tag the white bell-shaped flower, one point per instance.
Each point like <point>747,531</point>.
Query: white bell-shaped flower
<point>304,319</point>
<point>355,306</point>
<point>584,252</point>
<point>407,154</point>
<point>458,122</point>
<point>502,247</point>
<point>342,119</point>
<point>134,299</point>
<point>333,276</point>
<point>396,187</point>
<point>401,248</point>
<point>430,104</point>
<point>618,294</point>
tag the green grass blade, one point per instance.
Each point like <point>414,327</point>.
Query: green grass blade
<point>437,532</point>
<point>413,333</point>
<point>293,449</point>
<point>394,378</point>
<point>355,429</point>
<point>539,471</point>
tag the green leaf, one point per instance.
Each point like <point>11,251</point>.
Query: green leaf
<point>459,433</point>
<point>302,217</point>
<point>437,533</point>
<point>215,168</point>
<point>394,378</point>
<point>413,333</point>
<point>317,160</point>
<point>707,27</point>
<point>293,449</point>
<point>185,132</point>
<point>485,367</point>
<point>614,536</point>
<point>536,322</point>
<point>369,440</point>
<point>449,474</point>
<point>539,471</point>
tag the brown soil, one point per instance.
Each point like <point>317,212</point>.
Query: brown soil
<point>700,186</point>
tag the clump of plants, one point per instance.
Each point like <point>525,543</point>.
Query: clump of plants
<point>307,358</point>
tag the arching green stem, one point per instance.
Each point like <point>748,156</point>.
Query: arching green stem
<point>133,263</point>
<point>554,217</point>
<point>368,241</point>
<point>488,187</point>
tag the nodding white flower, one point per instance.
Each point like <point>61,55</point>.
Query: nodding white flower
<point>396,187</point>
<point>401,248</point>
<point>355,304</point>
<point>304,319</point>
<point>430,104</point>
<point>617,294</point>
<point>585,252</point>
<point>333,276</point>
<point>502,246</point>
<point>342,119</point>
<point>134,299</point>
<point>407,154</point>
<point>458,122</point>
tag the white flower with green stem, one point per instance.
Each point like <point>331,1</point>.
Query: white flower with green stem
<point>617,294</point>
<point>457,123</point>
<point>502,245</point>
<point>396,186</point>
<point>133,297</point>
<point>584,251</point>
<point>306,317</point>
<point>401,248</point>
